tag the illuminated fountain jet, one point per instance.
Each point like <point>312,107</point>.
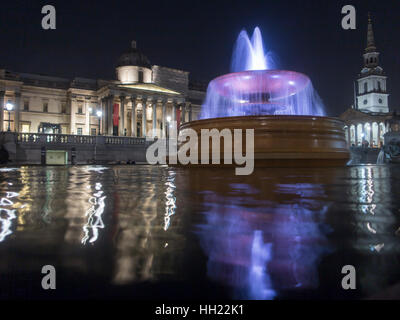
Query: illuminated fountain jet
<point>254,89</point>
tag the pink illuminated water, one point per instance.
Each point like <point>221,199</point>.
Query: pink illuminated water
<point>253,88</point>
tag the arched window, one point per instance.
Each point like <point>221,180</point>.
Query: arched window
<point>379,86</point>
<point>140,76</point>
<point>365,87</point>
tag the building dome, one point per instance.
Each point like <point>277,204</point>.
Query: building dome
<point>133,57</point>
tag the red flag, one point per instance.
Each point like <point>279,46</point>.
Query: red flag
<point>116,114</point>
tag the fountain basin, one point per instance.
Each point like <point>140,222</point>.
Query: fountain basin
<point>281,141</point>
<point>277,84</point>
<point>261,92</point>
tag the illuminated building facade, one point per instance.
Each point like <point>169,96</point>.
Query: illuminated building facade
<point>142,97</point>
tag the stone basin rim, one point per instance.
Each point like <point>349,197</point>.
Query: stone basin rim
<point>262,117</point>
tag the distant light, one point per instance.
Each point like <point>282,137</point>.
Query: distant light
<point>99,113</point>
<point>90,109</point>
<point>168,118</point>
<point>243,101</point>
<point>9,106</point>
<point>291,82</point>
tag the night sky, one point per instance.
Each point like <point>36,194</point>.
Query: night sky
<point>198,36</point>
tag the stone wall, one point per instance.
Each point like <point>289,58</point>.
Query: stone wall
<point>361,155</point>
<point>173,79</point>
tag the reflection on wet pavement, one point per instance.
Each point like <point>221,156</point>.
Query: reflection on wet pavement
<point>148,231</point>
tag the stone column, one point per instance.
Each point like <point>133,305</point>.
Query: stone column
<point>174,112</point>
<point>183,113</point>
<point>155,115</point>
<point>73,116</point>
<point>16,111</point>
<point>103,116</point>
<point>364,133</point>
<point>144,120</point>
<point>87,116</point>
<point>122,116</point>
<point>356,134</point>
<point>110,115</point>
<point>190,112</point>
<point>371,141</point>
<point>379,135</point>
<point>163,117</point>
<point>2,93</point>
<point>133,117</point>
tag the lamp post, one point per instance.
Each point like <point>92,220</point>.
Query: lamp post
<point>99,113</point>
<point>9,107</point>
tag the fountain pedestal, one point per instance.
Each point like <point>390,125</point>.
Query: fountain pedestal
<point>285,141</point>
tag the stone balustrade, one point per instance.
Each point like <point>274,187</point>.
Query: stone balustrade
<point>30,148</point>
<point>49,138</point>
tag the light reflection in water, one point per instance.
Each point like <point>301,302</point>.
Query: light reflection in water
<point>258,248</point>
<point>263,237</point>
<point>7,214</point>
<point>94,215</point>
<point>372,206</point>
<point>170,205</point>
<point>260,286</point>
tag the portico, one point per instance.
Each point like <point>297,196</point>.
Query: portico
<point>132,113</point>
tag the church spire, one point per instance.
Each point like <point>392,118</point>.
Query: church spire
<point>371,55</point>
<point>370,36</point>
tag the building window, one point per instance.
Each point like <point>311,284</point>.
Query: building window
<point>380,100</point>
<point>141,76</point>
<point>93,131</point>
<point>379,86</point>
<point>25,128</point>
<point>79,131</point>
<point>63,107</point>
<point>365,101</point>
<point>26,105</point>
<point>365,87</point>
<point>80,109</point>
<point>45,107</point>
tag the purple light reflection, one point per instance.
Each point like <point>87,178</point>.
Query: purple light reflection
<point>261,250</point>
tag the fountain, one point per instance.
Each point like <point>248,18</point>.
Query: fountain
<point>282,107</point>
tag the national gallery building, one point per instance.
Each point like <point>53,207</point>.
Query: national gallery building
<point>142,97</point>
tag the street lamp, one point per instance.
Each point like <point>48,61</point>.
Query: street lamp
<point>9,107</point>
<point>99,113</point>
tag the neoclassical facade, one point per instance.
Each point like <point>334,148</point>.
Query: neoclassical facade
<point>142,97</point>
<point>369,118</point>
